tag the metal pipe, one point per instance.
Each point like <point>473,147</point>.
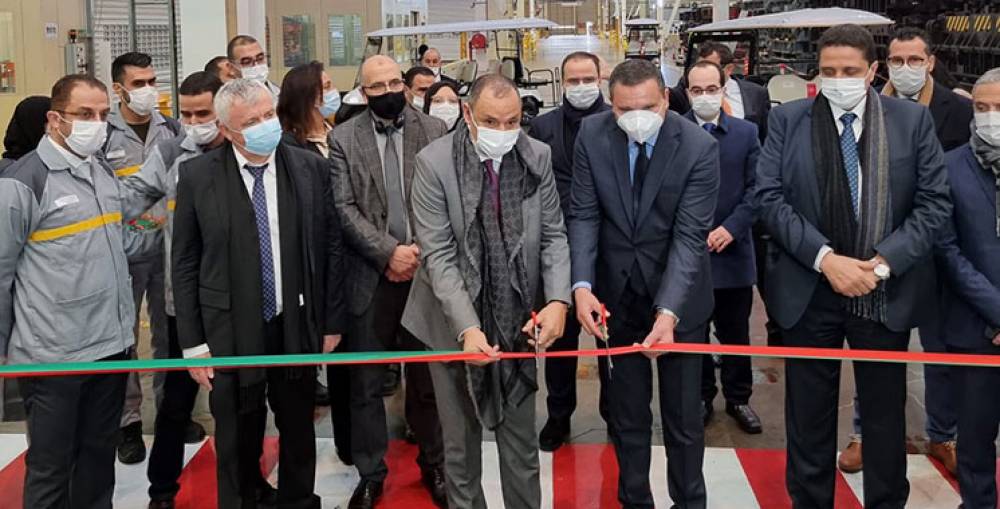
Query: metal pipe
<point>89,7</point>
<point>133,37</point>
<point>174,74</point>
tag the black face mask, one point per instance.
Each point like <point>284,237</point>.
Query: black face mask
<point>387,106</point>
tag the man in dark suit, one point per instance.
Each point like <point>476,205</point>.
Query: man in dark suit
<point>645,183</point>
<point>257,270</point>
<point>729,242</point>
<point>911,62</point>
<point>558,128</point>
<point>969,255</point>
<point>372,156</point>
<point>852,258</point>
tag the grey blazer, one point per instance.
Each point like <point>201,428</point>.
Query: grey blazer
<point>440,305</point>
<point>359,190</point>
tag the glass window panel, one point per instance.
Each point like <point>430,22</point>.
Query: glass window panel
<point>7,53</point>
<point>297,38</point>
<point>346,40</point>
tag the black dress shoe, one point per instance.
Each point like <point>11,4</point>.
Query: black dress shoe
<point>707,410</point>
<point>131,448</point>
<point>161,504</point>
<point>267,495</point>
<point>391,381</point>
<point>553,435</point>
<point>365,495</point>
<point>194,433</point>
<point>433,480</point>
<point>745,416</point>
<point>322,395</point>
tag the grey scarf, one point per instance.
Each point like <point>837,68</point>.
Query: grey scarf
<point>849,235</point>
<point>989,158</point>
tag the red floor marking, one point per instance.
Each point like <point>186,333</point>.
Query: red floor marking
<point>403,487</point>
<point>765,470</point>
<point>952,480</point>
<point>12,484</point>
<point>270,457</point>
<point>843,495</point>
<point>199,485</point>
<point>584,476</point>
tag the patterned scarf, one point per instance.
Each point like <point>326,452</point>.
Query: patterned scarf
<point>989,158</point>
<point>849,235</point>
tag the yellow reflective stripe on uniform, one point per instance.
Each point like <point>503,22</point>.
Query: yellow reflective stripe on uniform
<point>126,171</point>
<point>171,204</point>
<point>71,229</point>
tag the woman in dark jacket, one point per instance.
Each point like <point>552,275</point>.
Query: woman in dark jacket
<point>26,128</point>
<point>307,99</point>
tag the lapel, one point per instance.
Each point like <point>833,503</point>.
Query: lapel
<point>224,169</point>
<point>940,107</point>
<point>667,143</point>
<point>414,139</point>
<point>811,187</point>
<point>986,182</point>
<point>558,143</point>
<point>748,106</point>
<point>619,159</point>
<point>303,194</point>
<point>364,135</point>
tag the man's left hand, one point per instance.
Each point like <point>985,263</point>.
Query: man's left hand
<point>552,322</point>
<point>662,333</point>
<point>719,239</point>
<point>330,342</point>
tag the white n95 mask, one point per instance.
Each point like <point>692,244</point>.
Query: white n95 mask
<point>640,125</point>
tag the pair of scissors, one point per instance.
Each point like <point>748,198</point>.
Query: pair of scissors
<point>537,330</point>
<point>603,327</point>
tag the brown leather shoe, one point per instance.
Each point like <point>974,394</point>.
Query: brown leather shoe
<point>945,453</point>
<point>850,459</point>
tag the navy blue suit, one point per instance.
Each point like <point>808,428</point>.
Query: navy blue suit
<point>733,270</point>
<point>639,255</point>
<point>968,252</point>
<point>812,314</point>
<point>560,373</point>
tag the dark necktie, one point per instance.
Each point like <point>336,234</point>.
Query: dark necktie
<point>493,180</point>
<point>259,198</point>
<point>849,153</point>
<point>639,175</point>
<point>394,187</point>
<point>708,127</point>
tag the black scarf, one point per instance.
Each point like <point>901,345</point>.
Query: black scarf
<point>989,158</point>
<point>27,126</point>
<point>571,122</point>
<point>852,236</point>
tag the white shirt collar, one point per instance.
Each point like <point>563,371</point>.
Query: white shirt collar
<point>242,161</point>
<point>858,110</point>
<point>72,159</point>
<point>732,86</point>
<point>712,121</point>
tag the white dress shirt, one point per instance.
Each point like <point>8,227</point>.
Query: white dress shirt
<point>858,125</point>
<point>734,96</point>
<point>271,193</point>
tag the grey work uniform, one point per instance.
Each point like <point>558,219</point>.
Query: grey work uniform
<point>126,152</point>
<point>65,295</point>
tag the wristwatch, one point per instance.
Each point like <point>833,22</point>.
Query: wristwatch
<point>882,271</point>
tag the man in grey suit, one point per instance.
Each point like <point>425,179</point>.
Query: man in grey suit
<point>853,189</point>
<point>493,247</point>
<point>372,156</point>
<point>645,184</point>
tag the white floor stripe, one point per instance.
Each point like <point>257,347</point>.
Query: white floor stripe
<point>928,489</point>
<point>725,481</point>
<point>335,481</point>
<point>131,482</point>
<point>856,482</point>
<point>491,476</point>
<point>658,477</point>
<point>545,460</point>
<point>11,446</point>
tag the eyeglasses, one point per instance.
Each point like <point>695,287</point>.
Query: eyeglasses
<point>86,116</point>
<point>697,91</point>
<point>261,58</point>
<point>914,62</point>
<point>395,85</point>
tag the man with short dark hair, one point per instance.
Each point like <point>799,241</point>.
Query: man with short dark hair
<point>911,62</point>
<point>558,129</point>
<point>65,297</point>
<point>249,57</point>
<point>853,188</point>
<point>418,80</point>
<point>493,245</point>
<point>645,183</point>
<point>223,68</point>
<point>135,127</point>
<point>155,181</point>
<point>730,242</point>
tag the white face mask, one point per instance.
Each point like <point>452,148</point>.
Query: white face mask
<point>257,72</point>
<point>87,137</point>
<point>583,96</point>
<point>640,125</point>
<point>844,93</point>
<point>418,102</point>
<point>907,80</point>
<point>446,111</point>
<point>707,106</point>
<point>493,143</point>
<point>143,100</point>
<point>202,134</point>
<point>988,127</point>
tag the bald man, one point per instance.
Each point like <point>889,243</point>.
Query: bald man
<point>372,156</point>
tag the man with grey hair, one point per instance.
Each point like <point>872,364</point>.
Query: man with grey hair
<point>257,271</point>
<point>493,248</point>
<point>968,253</point>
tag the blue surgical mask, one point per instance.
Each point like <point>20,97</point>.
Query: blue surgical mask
<point>263,138</point>
<point>331,103</point>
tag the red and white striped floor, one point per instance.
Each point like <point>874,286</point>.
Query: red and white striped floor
<point>578,476</point>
